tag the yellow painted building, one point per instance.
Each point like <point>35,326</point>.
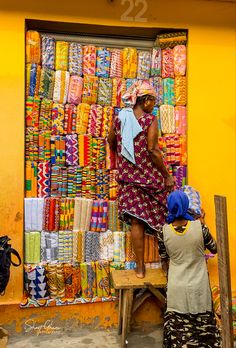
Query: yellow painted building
<point>211,119</point>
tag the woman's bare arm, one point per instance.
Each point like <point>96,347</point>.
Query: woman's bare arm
<point>112,139</point>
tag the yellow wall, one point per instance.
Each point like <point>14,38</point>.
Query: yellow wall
<point>211,105</point>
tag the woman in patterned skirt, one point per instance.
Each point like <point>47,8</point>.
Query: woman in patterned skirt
<point>189,317</point>
<point>142,176</point>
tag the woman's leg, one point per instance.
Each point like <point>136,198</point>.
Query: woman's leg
<point>137,232</point>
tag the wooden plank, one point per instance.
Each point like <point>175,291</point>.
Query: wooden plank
<point>125,317</point>
<point>126,279</point>
<point>157,294</point>
<point>224,271</point>
<point>140,300</point>
<point>130,305</point>
<point>120,312</point>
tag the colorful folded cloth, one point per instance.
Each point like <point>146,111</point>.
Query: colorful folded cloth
<point>156,112</point>
<point>33,52</point>
<point>169,91</point>
<point>129,251</point>
<point>62,55</point>
<point>116,66</point>
<point>180,175</point>
<point>119,246</point>
<point>106,246</point>
<point>183,150</point>
<point>90,89</point>
<point>144,65</point>
<point>36,282</point>
<point>44,145</point>
<point>95,120</point>
<point>33,210</point>
<point>66,214</point>
<point>75,90</point>
<point>103,62</point>
<point>167,117</point>
<point>88,280</point>
<point>82,119</point>
<point>107,118</point>
<point>58,181</point>
<point>92,246</point>
<point>88,182</point>
<point>102,184</point>
<point>98,155</point>
<point>103,278</point>
<point>82,214</point>
<point>172,149</point>
<point>75,59</point>
<point>61,86</point>
<point>49,246</point>
<point>130,265</point>
<point>32,247</point>
<point>114,224</point>
<point>180,60</point>
<point>45,120</point>
<point>65,246</point>
<point>172,39</point>
<point>51,215</point>
<point>32,106</point>
<point>157,84</point>
<point>181,120</point>
<point>31,179</point>
<point>51,274</point>
<point>74,181</point>
<point>156,62</point>
<point>48,52</point>
<point>44,179</point>
<point>71,149</point>
<point>118,89</point>
<point>181,90</point>
<point>85,150</point>
<point>70,117</point>
<point>167,63</point>
<point>57,115</point>
<point>72,281</point>
<point>110,158</point>
<point>115,266</point>
<point>32,79</point>
<point>58,151</point>
<point>130,60</point>
<point>99,216</point>
<point>47,80</point>
<point>104,91</point>
<point>113,185</point>
<point>31,144</point>
<point>89,60</point>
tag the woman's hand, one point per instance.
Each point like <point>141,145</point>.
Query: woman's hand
<point>169,183</point>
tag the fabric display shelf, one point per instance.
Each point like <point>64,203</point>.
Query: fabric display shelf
<point>73,236</point>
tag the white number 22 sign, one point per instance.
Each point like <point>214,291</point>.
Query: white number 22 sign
<point>134,3</point>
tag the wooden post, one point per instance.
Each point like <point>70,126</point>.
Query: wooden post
<point>224,271</point>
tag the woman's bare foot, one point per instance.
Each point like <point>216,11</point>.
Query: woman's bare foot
<point>140,270</point>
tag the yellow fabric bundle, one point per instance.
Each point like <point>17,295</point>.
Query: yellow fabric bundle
<point>32,247</point>
<point>82,119</point>
<point>90,89</point>
<point>62,55</point>
<point>33,53</point>
<point>181,90</point>
<point>130,62</point>
<point>31,179</point>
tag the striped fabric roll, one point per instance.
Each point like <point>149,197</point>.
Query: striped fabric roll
<point>44,176</point>
<point>31,144</point>
<point>33,52</point>
<point>65,246</point>
<point>51,215</point>
<point>58,114</point>
<point>47,80</point>
<point>70,119</point>
<point>58,153</point>
<point>32,107</point>
<point>66,214</point>
<point>71,149</point>
<point>95,120</point>
<point>75,59</point>
<point>44,145</point>
<point>99,216</point>
<point>31,179</point>
<point>48,52</point>
<point>62,55</point>
<point>116,67</point>
<point>32,79</point>
<point>74,181</point>
<point>61,86</point>
<point>58,181</point>
<point>45,120</point>
<point>75,90</point>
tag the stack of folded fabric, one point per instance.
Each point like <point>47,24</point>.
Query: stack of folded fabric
<point>48,52</point>
<point>102,184</point>
<point>104,91</point>
<point>33,209</point>
<point>144,65</point>
<point>32,247</point>
<point>71,147</point>
<point>55,280</point>
<point>172,149</point>
<point>180,120</point>
<point>107,118</point>
<point>157,83</point>
<point>31,144</point>
<point>180,60</point>
<point>62,55</point>
<point>49,246</point>
<point>183,150</point>
<point>58,181</point>
<point>90,89</point>
<point>129,251</point>
<point>167,63</point>
<point>172,39</point>
<point>95,120</point>
<point>130,63</point>
<point>75,59</point>
<point>44,179</point>
<point>130,265</point>
<point>47,80</point>
<point>61,86</point>
<point>113,185</point>
<point>51,215</point>
<point>45,121</point>
<point>58,151</point>
<point>114,224</point>
<point>103,62</point>
<point>36,282</point>
<point>116,63</point>
<point>92,246</point>
<point>169,91</point>
<point>33,52</point>
<point>58,114</point>
<point>74,181</point>
<point>82,214</point>
<point>31,179</point>
<point>44,145</point>
<point>103,278</point>
<point>88,182</point>
<point>119,246</point>
<point>32,107</point>
<point>72,278</point>
<point>106,246</point>
<point>180,175</point>
<point>194,199</point>
<point>118,89</point>
<point>32,79</point>
<point>82,120</point>
<point>65,246</point>
<point>89,60</point>
<point>88,279</point>
<point>99,216</point>
<point>150,249</point>
<point>70,119</point>
<point>167,118</point>
<point>75,90</point>
<point>66,213</point>
<point>156,62</point>
<point>115,266</point>
<point>180,90</point>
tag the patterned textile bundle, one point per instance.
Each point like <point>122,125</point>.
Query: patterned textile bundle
<point>99,216</point>
<point>85,150</point>
<point>32,247</point>
<point>95,120</point>
<point>46,86</point>
<point>78,246</point>
<point>82,214</point>
<point>32,106</point>
<point>75,89</point>
<point>72,150</point>
<point>181,90</point>
<point>114,224</point>
<point>70,119</point>
<point>103,278</point>
<point>88,182</point>
<point>74,181</point>
<point>144,65</point>
<point>172,149</point>
<point>45,121</point>
<point>169,91</point>
<point>167,63</point>
<point>119,246</point>
<point>62,53</point>
<point>167,116</point>
<point>31,179</point>
<point>153,265</point>
<point>102,184</point>
<point>118,89</point>
<point>157,84</point>
<point>180,175</point>
<point>106,246</point>
<point>104,91</point>
<point>92,246</point>
<point>75,59</point>
<point>90,89</point>
<point>82,120</point>
<point>36,282</point>
<point>58,181</point>
<point>33,54</point>
<point>88,279</point>
<point>33,209</point>
<point>172,39</point>
<point>113,185</point>
<point>183,150</point>
<point>98,159</point>
<point>150,248</point>
<point>129,83</point>
<point>180,60</point>
<point>110,158</point>
<point>45,145</point>
<point>103,62</point>
<point>156,62</point>
<point>162,147</point>
<point>58,115</point>
<point>49,246</point>
<point>156,112</point>
<point>32,79</point>
<point>89,60</point>
<point>51,273</point>
<point>72,281</point>
<point>107,118</point>
<point>65,246</point>
<point>194,199</point>
<point>51,214</point>
<point>48,52</point>
<point>61,86</point>
<point>58,150</point>
<point>180,120</point>
<point>130,60</point>
<point>115,266</point>
<point>60,281</point>
<point>116,63</point>
<point>129,251</point>
<point>130,265</point>
<point>44,176</point>
<point>31,144</point>
<point>66,214</point>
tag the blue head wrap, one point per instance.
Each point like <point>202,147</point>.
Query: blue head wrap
<point>178,205</point>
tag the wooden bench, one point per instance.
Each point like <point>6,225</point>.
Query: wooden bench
<point>126,282</point>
